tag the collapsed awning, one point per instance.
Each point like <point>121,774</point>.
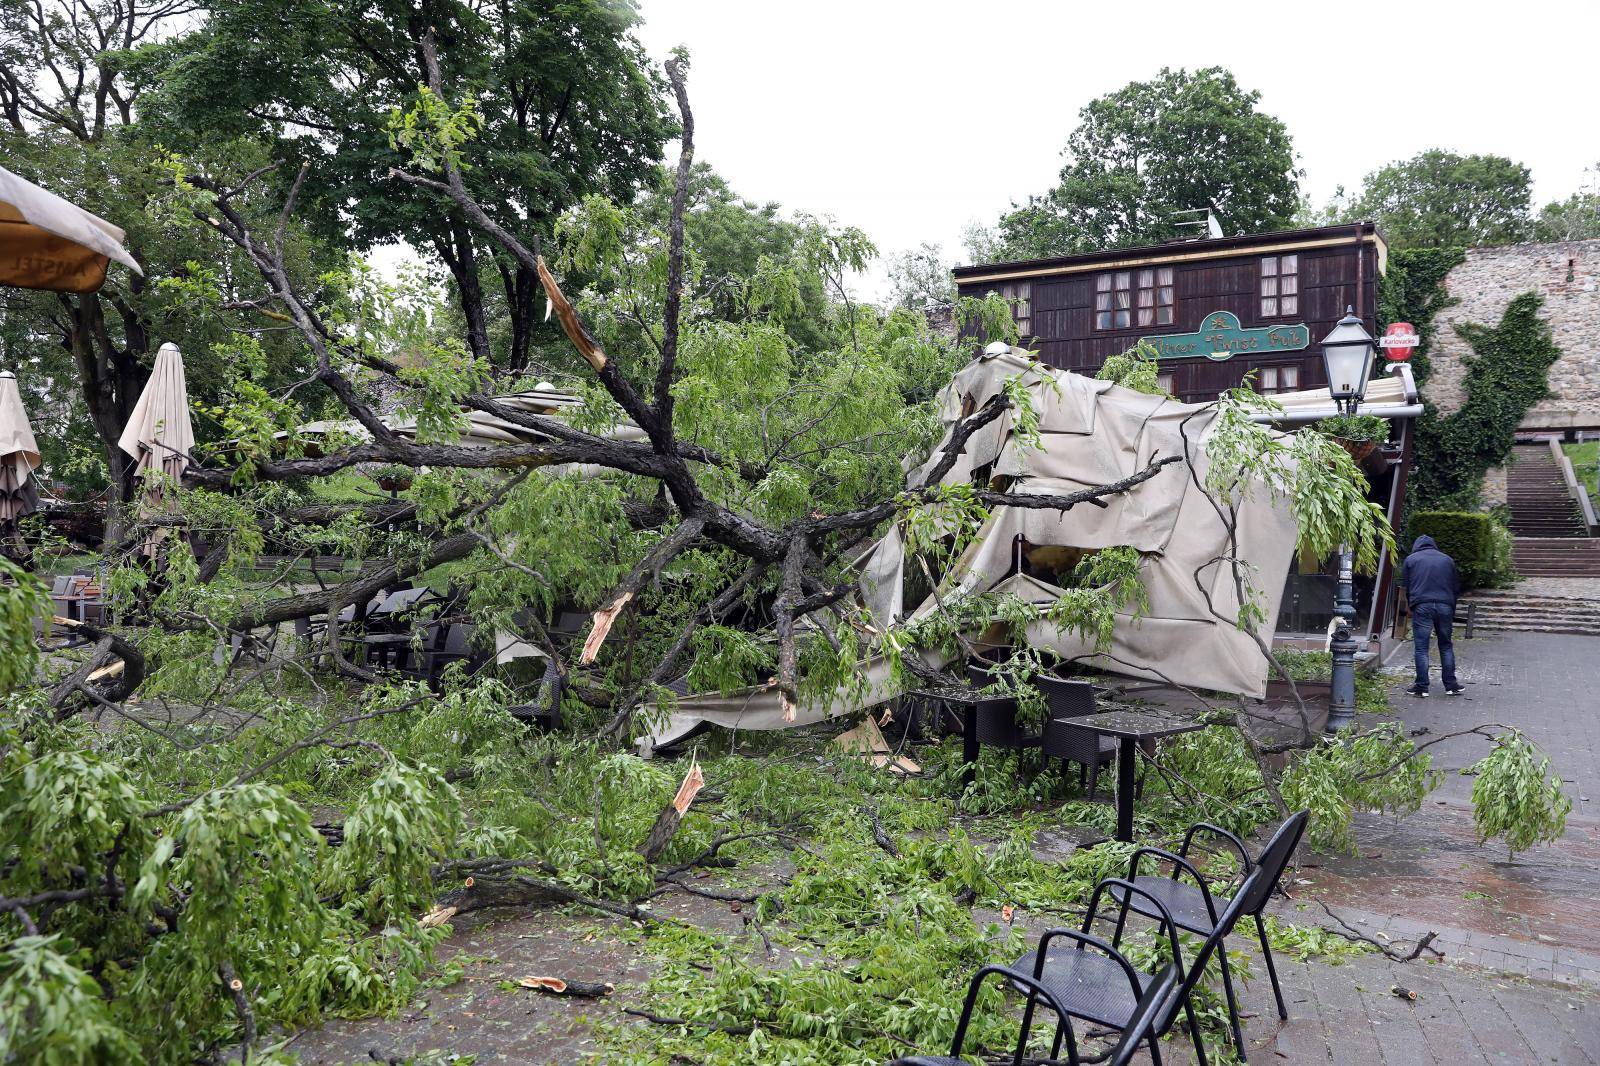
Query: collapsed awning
<point>1392,395</point>
<point>1090,433</point>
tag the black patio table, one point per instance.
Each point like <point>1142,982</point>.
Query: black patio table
<point>1130,727</point>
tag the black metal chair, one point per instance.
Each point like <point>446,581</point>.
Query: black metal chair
<point>1104,988</point>
<point>1195,908</point>
<point>1035,989</point>
<point>995,716</point>
<point>1090,750</point>
<point>1146,1015</point>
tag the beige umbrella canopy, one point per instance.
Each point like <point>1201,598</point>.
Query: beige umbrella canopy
<point>159,435</point>
<point>19,454</point>
<point>48,243</point>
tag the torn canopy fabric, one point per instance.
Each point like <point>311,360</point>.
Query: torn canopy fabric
<point>1091,433</point>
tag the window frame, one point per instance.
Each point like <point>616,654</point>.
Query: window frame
<point>1274,277</point>
<point>1112,283</point>
<point>1018,296</point>
<point>1277,370</point>
<point>1160,283</point>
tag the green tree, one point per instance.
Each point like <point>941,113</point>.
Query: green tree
<point>1439,199</point>
<point>1577,218</point>
<point>567,100</point>
<point>920,277</point>
<point>1179,141</point>
<point>75,87</point>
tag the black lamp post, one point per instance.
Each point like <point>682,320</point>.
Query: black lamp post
<point>1347,354</point>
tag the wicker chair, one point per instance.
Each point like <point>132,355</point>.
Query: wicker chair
<point>1090,750</point>
<point>996,715</point>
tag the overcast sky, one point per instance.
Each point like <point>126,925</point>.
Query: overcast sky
<point>912,119</point>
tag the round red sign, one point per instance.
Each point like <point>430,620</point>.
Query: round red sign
<point>1398,340</point>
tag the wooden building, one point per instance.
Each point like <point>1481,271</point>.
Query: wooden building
<point>1214,310</point>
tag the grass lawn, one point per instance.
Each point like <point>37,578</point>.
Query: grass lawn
<point>1586,464</point>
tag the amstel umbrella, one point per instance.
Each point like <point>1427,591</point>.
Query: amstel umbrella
<point>159,435</point>
<point>19,454</point>
<point>48,243</point>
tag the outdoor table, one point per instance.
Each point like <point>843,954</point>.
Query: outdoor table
<point>968,700</point>
<point>1130,727</point>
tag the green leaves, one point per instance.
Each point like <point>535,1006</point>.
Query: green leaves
<point>1130,166</point>
<point>22,601</point>
<point>432,132</point>
<point>1515,797</point>
<point>406,820</point>
<point>52,1012</point>
<point>1439,199</point>
<point>1379,770</point>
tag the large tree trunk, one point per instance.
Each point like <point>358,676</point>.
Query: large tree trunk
<point>111,378</point>
<point>519,298</point>
<point>455,247</point>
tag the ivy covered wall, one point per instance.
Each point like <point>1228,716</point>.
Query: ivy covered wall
<point>1505,376</point>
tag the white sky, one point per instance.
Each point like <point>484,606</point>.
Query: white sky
<point>911,119</point>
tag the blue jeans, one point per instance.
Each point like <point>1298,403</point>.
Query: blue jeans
<point>1434,619</point>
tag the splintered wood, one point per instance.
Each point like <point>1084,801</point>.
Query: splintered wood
<point>666,824</point>
<point>581,339</point>
<point>867,741</point>
<point>604,619</point>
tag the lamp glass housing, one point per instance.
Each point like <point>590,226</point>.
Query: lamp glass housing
<point>1347,355</point>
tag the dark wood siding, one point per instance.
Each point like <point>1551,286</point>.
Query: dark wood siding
<point>1063,312</point>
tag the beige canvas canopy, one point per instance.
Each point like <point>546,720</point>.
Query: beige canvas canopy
<point>48,243</point>
<point>19,454</point>
<point>1092,433</point>
<point>159,435</point>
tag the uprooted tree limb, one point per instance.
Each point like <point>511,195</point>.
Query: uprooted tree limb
<point>798,555</point>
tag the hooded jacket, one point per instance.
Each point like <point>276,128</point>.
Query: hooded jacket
<point>1430,575</point>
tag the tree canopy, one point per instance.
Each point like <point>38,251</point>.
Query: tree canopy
<point>1440,199</point>
<point>565,104</point>
<point>1181,141</point>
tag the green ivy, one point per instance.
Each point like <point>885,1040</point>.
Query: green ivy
<point>1505,377</point>
<point>1412,290</point>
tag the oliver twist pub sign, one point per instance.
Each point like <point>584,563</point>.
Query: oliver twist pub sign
<point>1223,338</point>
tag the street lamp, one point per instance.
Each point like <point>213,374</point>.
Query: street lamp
<point>1347,354</point>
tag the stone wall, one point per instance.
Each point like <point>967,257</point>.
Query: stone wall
<point>1567,276</point>
<point>1494,486</point>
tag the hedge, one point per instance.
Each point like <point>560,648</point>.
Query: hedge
<point>1479,544</point>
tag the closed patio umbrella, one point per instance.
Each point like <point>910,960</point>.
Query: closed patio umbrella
<point>159,435</point>
<point>19,454</point>
<point>48,243</point>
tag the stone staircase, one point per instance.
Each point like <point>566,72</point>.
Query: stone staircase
<point>1556,556</point>
<point>1509,609</point>
<point>1540,505</point>
<point>1551,539</point>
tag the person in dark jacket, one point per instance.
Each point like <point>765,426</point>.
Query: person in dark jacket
<point>1432,584</point>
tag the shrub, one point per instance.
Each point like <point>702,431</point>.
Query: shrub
<point>1355,427</point>
<point>1478,542</point>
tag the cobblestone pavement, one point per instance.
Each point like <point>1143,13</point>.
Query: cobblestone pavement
<point>1519,981</point>
<point>1587,588</point>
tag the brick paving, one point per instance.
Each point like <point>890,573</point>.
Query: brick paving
<point>1520,939</point>
<point>1519,983</point>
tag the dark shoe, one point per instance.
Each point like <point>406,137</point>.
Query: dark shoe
<point>1419,693</point>
<point>1453,690</point>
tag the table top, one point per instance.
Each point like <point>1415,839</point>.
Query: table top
<point>1135,725</point>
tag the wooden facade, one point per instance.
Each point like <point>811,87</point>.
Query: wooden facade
<point>1175,289</point>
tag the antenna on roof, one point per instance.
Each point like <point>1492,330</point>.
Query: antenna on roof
<point>1196,223</point>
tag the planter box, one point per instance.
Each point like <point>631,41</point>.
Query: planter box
<point>1370,456</point>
